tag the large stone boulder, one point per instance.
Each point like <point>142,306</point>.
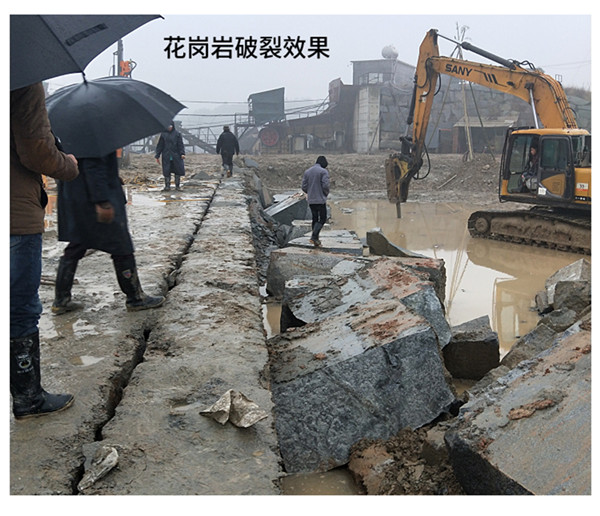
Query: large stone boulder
<point>578,272</point>
<point>293,207</point>
<point>529,431</point>
<point>360,359</point>
<point>291,262</point>
<point>379,245</point>
<point>335,241</point>
<point>473,351</point>
<point>566,299</point>
<point>365,375</point>
<point>355,283</point>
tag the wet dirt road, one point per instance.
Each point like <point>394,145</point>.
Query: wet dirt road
<point>141,379</point>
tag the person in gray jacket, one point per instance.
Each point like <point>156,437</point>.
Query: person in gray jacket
<point>315,184</point>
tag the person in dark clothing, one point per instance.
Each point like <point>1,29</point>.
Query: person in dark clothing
<point>170,146</point>
<point>227,146</point>
<point>33,153</point>
<point>315,184</point>
<point>529,176</point>
<point>92,215</point>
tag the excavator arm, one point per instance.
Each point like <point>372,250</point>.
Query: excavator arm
<point>545,95</point>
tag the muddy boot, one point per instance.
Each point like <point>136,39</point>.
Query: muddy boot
<point>62,290</point>
<point>129,282</point>
<point>316,231</point>
<point>29,399</point>
<point>167,184</point>
<point>177,180</point>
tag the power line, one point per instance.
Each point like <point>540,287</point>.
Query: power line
<point>569,64</point>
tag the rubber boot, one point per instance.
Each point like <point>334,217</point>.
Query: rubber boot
<point>29,399</point>
<point>177,180</point>
<point>316,231</point>
<point>167,184</point>
<point>129,281</point>
<point>62,290</point>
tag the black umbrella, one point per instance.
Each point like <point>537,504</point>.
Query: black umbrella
<point>96,117</point>
<point>42,47</point>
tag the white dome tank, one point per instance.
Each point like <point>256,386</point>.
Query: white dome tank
<point>389,52</point>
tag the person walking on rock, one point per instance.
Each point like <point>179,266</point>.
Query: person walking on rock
<point>315,184</point>
<point>33,153</point>
<point>227,146</point>
<point>92,215</point>
<point>170,146</point>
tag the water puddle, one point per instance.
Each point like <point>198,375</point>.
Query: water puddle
<point>335,482</point>
<point>483,277</point>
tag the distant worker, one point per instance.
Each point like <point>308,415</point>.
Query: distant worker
<point>315,184</point>
<point>227,146</point>
<point>33,152</point>
<point>529,176</point>
<point>92,215</point>
<point>170,146</point>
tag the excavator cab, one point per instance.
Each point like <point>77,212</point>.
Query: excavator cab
<point>550,179</point>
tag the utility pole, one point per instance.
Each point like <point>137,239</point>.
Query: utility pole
<point>460,32</point>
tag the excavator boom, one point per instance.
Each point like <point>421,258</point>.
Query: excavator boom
<point>543,92</point>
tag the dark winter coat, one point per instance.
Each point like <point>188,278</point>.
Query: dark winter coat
<point>228,144</point>
<point>170,146</point>
<point>33,152</point>
<point>98,181</point>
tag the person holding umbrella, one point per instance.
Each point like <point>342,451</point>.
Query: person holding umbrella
<point>41,47</point>
<point>227,146</point>
<point>92,120</point>
<point>170,145</point>
<point>33,152</point>
<point>92,215</point>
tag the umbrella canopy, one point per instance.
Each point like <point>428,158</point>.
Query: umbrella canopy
<point>42,47</point>
<point>97,117</point>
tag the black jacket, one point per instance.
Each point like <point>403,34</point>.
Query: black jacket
<point>98,181</point>
<point>170,145</point>
<point>228,144</point>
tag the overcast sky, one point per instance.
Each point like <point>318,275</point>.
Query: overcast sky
<point>560,44</point>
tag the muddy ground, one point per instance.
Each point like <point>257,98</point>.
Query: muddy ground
<point>352,176</point>
<point>450,179</point>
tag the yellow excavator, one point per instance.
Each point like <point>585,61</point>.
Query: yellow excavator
<point>558,182</point>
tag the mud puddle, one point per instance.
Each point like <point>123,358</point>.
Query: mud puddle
<point>335,482</point>
<point>484,277</point>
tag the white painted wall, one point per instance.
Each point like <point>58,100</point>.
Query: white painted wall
<point>366,119</point>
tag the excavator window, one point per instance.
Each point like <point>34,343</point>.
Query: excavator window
<point>519,157</point>
<point>555,154</point>
<point>582,150</point>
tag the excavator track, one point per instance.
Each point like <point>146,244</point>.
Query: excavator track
<point>563,230</point>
